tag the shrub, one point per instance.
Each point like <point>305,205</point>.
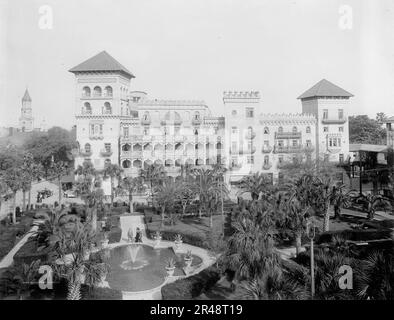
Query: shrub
<point>189,238</point>
<point>114,235</point>
<point>191,287</point>
<point>354,235</point>
<point>28,253</point>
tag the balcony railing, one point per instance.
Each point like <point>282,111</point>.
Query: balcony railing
<point>85,153</point>
<point>288,135</point>
<point>135,138</point>
<point>333,120</point>
<point>126,154</point>
<point>250,135</point>
<point>96,136</point>
<point>248,151</point>
<point>106,153</point>
<point>287,149</point>
<point>196,121</point>
<point>136,154</point>
<point>267,149</point>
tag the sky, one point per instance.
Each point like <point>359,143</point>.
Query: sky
<point>197,49</point>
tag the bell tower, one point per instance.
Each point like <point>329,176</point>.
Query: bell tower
<point>26,118</point>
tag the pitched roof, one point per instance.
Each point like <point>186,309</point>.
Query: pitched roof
<point>325,88</point>
<point>26,96</point>
<point>391,119</point>
<point>101,62</point>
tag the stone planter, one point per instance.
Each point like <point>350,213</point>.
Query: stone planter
<point>170,271</point>
<point>188,262</point>
<point>178,245</point>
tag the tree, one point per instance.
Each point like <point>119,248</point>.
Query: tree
<point>362,129</point>
<point>187,195</point>
<point>130,185</point>
<point>255,184</point>
<point>53,146</point>
<point>13,178</point>
<point>372,202</point>
<point>80,268</point>
<point>59,170</point>
<point>112,171</point>
<point>381,117</point>
<point>32,171</point>
<point>206,185</point>
<point>166,195</point>
<point>154,174</point>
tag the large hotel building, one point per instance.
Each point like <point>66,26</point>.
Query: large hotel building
<point>118,125</point>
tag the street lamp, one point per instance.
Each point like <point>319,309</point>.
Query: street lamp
<point>310,232</point>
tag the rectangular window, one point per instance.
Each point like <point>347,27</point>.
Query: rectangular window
<point>250,146</point>
<point>266,143</point>
<point>249,112</point>
<point>234,161</point>
<point>125,132</point>
<point>330,142</point>
<point>234,130</point>
<point>341,157</point>
<point>308,143</point>
<point>325,113</point>
<point>250,159</point>
<point>339,142</point>
<point>294,143</point>
<point>101,129</point>
<point>234,146</point>
<point>280,143</point>
<point>340,129</point>
<point>325,129</point>
<point>340,113</point>
<point>266,160</point>
<point>92,129</point>
<point>334,142</point>
<point>107,147</point>
<point>280,159</point>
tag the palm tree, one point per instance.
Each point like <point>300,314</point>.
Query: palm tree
<point>372,202</point>
<point>130,185</point>
<point>13,178</point>
<point>80,268</point>
<point>377,277</point>
<point>255,184</point>
<point>59,170</point>
<point>340,199</point>
<point>206,185</point>
<point>112,171</point>
<point>154,174</point>
<point>274,284</point>
<point>166,195</point>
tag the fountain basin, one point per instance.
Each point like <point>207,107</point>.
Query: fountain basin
<point>139,267</point>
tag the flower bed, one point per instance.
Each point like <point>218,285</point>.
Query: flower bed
<point>191,287</point>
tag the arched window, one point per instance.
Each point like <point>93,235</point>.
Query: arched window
<point>250,130</point>
<point>137,147</point>
<point>294,129</point>
<point>126,147</point>
<point>168,163</point>
<point>308,129</point>
<point>108,91</point>
<point>87,148</point>
<point>178,162</point>
<point>126,164</point>
<point>87,108</point>
<point>137,164</point>
<point>266,130</point>
<point>146,116</point>
<point>218,146</point>
<point>97,91</point>
<point>86,92</point>
<point>107,108</point>
<point>169,147</point>
<point>280,130</point>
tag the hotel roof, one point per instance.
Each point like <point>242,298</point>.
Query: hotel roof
<point>325,88</point>
<point>101,62</point>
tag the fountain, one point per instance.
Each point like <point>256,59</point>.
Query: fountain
<point>133,263</point>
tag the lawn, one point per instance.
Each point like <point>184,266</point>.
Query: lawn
<point>189,227</point>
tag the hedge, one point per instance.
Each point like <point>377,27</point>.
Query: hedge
<point>354,235</point>
<point>188,238</point>
<point>114,235</point>
<point>191,287</point>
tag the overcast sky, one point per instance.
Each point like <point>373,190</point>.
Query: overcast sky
<point>197,49</point>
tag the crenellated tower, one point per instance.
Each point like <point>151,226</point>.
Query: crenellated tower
<point>26,119</point>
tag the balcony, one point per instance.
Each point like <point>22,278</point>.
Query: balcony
<point>136,138</point>
<point>106,153</point>
<point>288,135</point>
<point>85,153</point>
<point>287,149</point>
<point>267,149</point>
<point>196,122</point>
<point>126,154</point>
<point>248,151</point>
<point>267,166</point>
<point>96,136</point>
<point>250,135</point>
<point>136,154</point>
<point>333,120</point>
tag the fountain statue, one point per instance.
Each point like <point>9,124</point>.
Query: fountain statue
<point>134,262</point>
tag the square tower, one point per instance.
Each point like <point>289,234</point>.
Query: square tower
<point>329,104</point>
<point>241,109</point>
<point>102,86</point>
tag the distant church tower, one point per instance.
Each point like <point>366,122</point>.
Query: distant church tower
<point>26,118</point>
